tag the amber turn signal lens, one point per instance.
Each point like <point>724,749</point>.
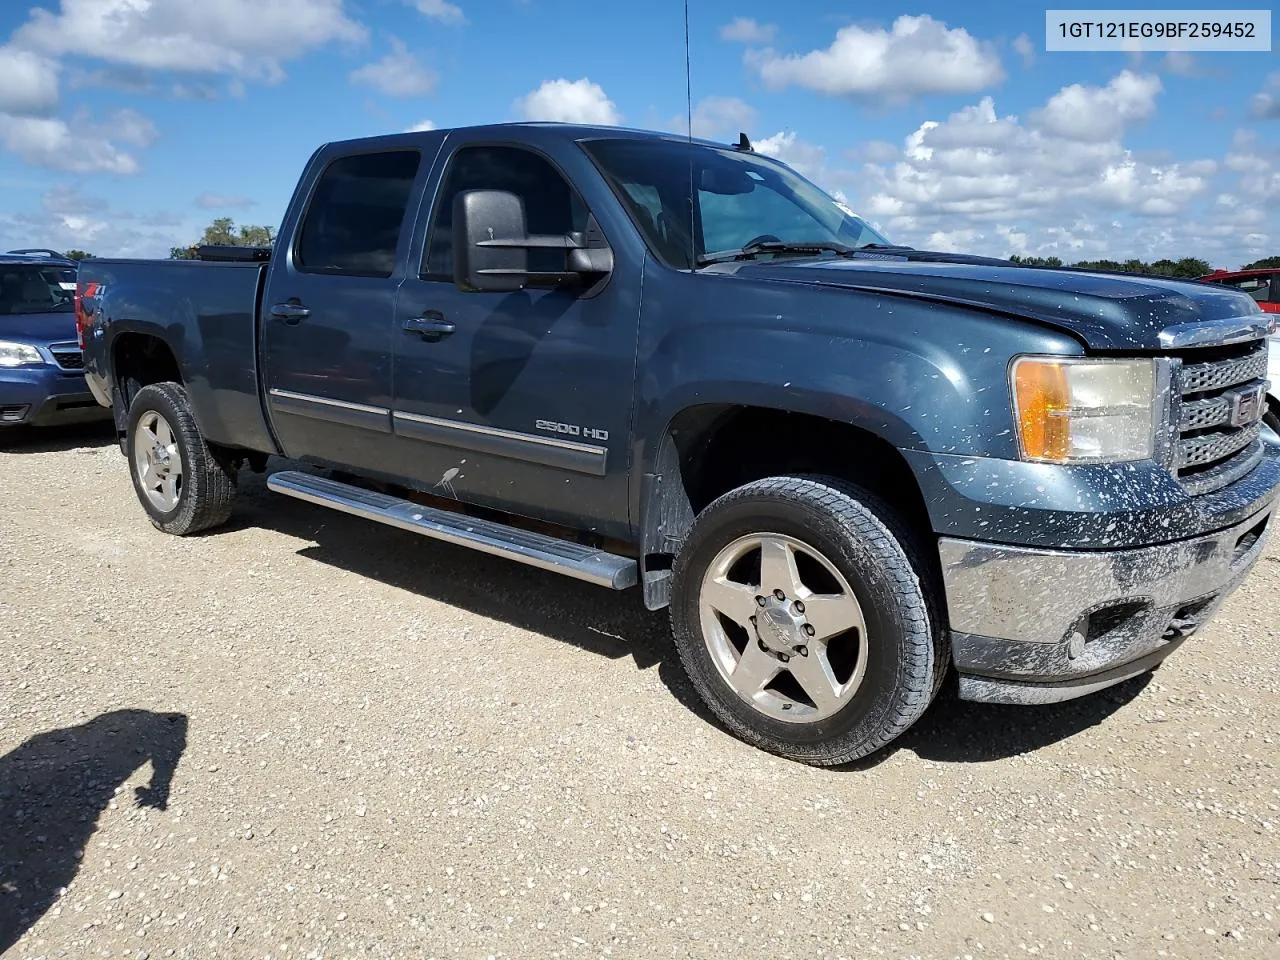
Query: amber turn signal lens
<point>1043,403</point>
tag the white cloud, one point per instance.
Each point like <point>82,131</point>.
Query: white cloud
<point>1096,114</point>
<point>422,126</point>
<point>398,74</point>
<point>987,183</point>
<point>576,101</point>
<point>132,127</point>
<point>807,159</point>
<point>440,10</point>
<point>68,219</point>
<point>919,55</point>
<point>1179,63</point>
<point>875,151</point>
<point>1265,104</point>
<point>1258,168</point>
<point>746,30</point>
<point>1023,46</point>
<point>718,116</point>
<point>246,38</point>
<point>81,146</point>
<point>222,201</point>
<point>28,82</point>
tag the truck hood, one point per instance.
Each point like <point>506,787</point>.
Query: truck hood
<point>41,328</point>
<point>1106,311</point>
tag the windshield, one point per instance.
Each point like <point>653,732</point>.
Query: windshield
<point>740,197</point>
<point>35,288</point>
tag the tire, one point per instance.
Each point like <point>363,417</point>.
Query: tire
<point>1272,417</point>
<point>203,492</point>
<point>890,664</point>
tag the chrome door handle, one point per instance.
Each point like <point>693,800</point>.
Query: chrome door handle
<point>290,311</point>
<point>431,326</point>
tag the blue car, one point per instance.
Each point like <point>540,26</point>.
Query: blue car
<point>41,368</point>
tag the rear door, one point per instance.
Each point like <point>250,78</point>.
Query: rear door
<point>329,307</point>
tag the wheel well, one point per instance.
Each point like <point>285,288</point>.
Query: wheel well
<point>138,360</point>
<point>715,448</point>
<point>723,448</point>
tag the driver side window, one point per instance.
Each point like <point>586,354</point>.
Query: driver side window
<point>551,205</point>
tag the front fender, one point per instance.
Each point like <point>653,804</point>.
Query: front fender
<point>918,375</point>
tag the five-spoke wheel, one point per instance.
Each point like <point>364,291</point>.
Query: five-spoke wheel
<point>803,621</point>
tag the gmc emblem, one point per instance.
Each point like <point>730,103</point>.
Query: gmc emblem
<point>1247,406</point>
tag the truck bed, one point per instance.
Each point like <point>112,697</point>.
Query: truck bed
<point>206,313</point>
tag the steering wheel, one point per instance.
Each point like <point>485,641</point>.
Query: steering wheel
<point>762,239</point>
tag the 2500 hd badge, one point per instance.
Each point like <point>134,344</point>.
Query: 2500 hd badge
<point>571,430</point>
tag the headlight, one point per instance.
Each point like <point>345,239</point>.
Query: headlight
<point>18,354</point>
<point>1076,410</point>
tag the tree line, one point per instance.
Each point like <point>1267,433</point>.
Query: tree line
<point>1186,267</point>
<point>223,232</point>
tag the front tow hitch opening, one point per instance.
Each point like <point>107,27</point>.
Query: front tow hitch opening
<point>1102,622</point>
<point>1249,539</point>
<point>1188,619</point>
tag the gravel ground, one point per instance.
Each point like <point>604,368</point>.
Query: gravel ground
<point>310,736</point>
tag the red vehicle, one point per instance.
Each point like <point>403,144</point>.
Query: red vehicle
<point>1263,285</point>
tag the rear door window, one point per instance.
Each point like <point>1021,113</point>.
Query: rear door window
<point>353,223</point>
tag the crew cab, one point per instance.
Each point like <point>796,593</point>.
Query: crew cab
<point>843,465</point>
<point>41,380</point>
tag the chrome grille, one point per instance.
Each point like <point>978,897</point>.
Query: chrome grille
<point>1223,398</point>
<point>1215,445</point>
<point>1199,377</point>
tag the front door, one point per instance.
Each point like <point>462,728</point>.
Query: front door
<point>329,310</point>
<point>520,401</point>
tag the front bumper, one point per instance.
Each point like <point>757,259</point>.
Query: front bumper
<point>1041,626</point>
<point>45,396</point>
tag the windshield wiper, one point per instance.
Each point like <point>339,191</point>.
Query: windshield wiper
<point>774,246</point>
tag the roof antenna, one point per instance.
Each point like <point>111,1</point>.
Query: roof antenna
<point>688,96</point>
<point>744,144</point>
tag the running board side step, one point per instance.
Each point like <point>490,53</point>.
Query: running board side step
<point>536,549</point>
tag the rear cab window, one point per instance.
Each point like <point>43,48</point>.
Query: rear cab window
<point>356,214</point>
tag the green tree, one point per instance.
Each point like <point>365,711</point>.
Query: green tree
<point>224,232</point>
<point>77,255</point>
<point>1035,261</point>
<point>1264,264</point>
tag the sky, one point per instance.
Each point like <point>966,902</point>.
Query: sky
<point>127,125</point>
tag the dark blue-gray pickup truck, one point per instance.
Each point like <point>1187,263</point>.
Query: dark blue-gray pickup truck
<point>640,360</point>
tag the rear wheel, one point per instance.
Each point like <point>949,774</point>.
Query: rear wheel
<point>803,621</point>
<point>179,481</point>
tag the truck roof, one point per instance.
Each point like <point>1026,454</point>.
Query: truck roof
<point>567,131</point>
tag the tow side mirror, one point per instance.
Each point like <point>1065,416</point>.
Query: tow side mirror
<point>491,245</point>
<point>481,217</point>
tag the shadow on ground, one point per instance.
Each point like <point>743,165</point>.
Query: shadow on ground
<point>618,625</point>
<point>53,789</point>
<point>57,439</point>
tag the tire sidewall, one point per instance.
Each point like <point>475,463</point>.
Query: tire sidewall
<point>158,399</point>
<point>889,634</point>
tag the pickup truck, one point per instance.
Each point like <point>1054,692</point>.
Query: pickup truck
<point>641,360</point>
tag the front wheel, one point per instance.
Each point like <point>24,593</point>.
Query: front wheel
<point>803,620</point>
<point>179,481</point>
